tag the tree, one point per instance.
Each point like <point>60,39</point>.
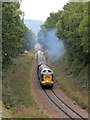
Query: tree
<point>72,29</point>
<point>13,30</point>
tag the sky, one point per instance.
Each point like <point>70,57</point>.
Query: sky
<point>40,9</point>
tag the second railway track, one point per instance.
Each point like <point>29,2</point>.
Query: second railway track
<point>66,109</point>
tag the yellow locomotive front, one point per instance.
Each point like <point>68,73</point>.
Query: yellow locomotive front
<point>47,78</point>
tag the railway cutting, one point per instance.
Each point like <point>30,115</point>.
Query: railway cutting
<point>48,96</point>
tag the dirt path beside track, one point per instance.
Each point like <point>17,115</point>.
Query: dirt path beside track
<point>0,109</point>
<point>45,103</point>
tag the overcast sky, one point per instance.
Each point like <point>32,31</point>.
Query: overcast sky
<point>40,9</point>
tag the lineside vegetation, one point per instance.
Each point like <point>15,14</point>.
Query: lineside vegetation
<point>72,28</point>
<point>17,97</point>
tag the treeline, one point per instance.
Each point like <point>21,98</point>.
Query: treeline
<point>13,32</point>
<point>30,40</point>
<point>72,29</point>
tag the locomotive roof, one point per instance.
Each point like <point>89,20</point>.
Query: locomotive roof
<point>44,68</point>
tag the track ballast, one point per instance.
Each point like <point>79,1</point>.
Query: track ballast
<point>60,108</point>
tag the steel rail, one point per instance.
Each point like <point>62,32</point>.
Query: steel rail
<point>58,106</point>
<point>68,106</point>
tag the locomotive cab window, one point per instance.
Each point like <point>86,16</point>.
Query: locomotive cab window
<point>44,71</point>
<point>49,71</point>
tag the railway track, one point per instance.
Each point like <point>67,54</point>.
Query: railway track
<point>67,110</point>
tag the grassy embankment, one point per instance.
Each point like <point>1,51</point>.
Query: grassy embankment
<point>18,101</point>
<point>76,87</point>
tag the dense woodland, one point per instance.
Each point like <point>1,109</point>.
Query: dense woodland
<point>72,28</point>
<point>14,41</point>
<point>71,24</point>
<point>30,40</point>
<point>16,38</point>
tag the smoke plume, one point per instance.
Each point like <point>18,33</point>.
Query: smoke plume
<point>49,41</point>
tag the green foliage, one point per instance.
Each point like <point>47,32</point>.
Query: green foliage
<point>13,30</point>
<point>42,38</point>
<point>83,32</point>
<point>72,27</point>
<point>16,88</point>
<point>74,85</point>
<point>29,38</point>
<point>52,20</point>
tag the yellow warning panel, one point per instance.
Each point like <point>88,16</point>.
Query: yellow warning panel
<point>47,78</point>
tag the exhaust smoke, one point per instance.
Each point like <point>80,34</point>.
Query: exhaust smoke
<point>49,41</point>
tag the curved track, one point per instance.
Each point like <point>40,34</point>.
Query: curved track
<point>50,107</point>
<point>64,110</point>
<point>68,106</point>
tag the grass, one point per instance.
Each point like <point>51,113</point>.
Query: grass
<point>74,86</point>
<point>17,97</point>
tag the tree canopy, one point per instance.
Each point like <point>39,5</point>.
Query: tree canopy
<point>72,27</point>
<point>13,32</point>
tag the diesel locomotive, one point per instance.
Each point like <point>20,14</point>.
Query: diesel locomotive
<point>45,74</point>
